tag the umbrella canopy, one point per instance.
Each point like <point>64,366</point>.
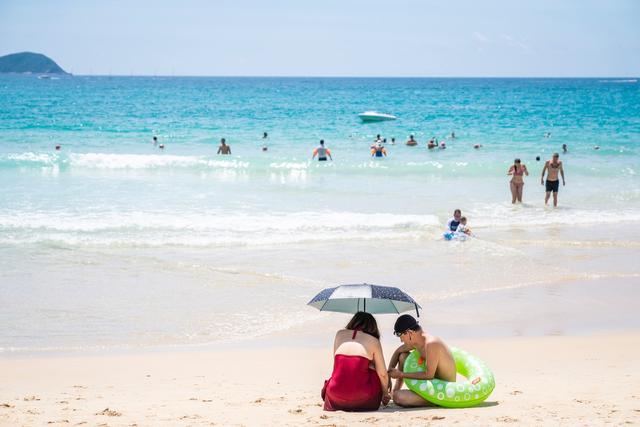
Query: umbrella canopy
<point>365,297</point>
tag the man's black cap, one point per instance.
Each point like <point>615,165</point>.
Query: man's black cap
<point>404,323</point>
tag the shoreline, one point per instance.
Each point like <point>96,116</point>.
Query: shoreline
<point>562,308</point>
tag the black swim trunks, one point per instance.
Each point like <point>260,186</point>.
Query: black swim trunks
<point>322,159</point>
<point>553,186</point>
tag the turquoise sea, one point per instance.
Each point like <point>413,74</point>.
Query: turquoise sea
<point>113,242</point>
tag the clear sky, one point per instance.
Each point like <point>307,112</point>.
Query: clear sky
<point>329,37</point>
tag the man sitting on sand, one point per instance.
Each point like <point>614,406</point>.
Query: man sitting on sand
<point>433,350</point>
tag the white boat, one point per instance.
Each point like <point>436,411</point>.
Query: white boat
<point>374,116</point>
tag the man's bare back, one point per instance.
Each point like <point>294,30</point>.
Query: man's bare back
<point>433,351</point>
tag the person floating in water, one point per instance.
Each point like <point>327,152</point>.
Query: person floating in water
<point>477,146</point>
<point>265,135</point>
<point>552,167</point>
<point>432,144</point>
<point>155,140</point>
<point>58,147</point>
<point>224,148</point>
<point>453,135</point>
<point>378,151</point>
<point>411,142</point>
<point>321,152</point>
<point>463,231</point>
<point>517,171</point>
<point>565,149</point>
<point>393,141</point>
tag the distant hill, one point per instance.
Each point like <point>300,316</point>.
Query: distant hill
<point>29,62</point>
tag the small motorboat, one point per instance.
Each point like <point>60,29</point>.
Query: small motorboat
<point>373,116</point>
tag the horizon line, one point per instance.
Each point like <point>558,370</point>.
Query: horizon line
<point>337,76</point>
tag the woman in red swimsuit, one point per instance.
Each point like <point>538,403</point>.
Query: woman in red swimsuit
<point>359,381</point>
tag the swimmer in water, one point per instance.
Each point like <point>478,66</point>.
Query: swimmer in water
<point>378,151</point>
<point>411,142</point>
<point>321,152</point>
<point>224,148</point>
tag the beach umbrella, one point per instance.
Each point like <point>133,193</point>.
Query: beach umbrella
<point>375,299</point>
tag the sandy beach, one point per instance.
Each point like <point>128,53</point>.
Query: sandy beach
<point>584,380</point>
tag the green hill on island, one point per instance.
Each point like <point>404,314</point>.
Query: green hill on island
<point>29,62</point>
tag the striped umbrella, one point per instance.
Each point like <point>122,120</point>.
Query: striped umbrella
<point>375,299</point>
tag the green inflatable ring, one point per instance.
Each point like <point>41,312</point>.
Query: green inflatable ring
<point>475,389</point>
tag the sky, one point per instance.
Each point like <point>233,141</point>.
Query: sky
<point>403,38</point>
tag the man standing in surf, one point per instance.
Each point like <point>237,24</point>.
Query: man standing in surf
<point>552,167</point>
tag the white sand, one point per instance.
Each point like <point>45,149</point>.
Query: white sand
<point>591,380</point>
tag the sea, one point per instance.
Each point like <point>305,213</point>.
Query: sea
<point>114,242</point>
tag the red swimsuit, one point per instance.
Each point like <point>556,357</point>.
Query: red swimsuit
<point>353,386</point>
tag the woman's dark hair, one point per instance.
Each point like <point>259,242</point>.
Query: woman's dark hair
<point>364,322</point>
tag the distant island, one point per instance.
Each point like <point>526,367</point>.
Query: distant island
<point>29,62</point>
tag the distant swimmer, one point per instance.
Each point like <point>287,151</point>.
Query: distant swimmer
<point>537,158</point>
<point>264,148</point>
<point>378,151</point>
<point>517,172</point>
<point>321,152</point>
<point>161,146</point>
<point>443,145</point>
<point>547,134</point>
<point>58,147</point>
<point>565,149</point>
<point>477,146</point>
<point>411,142</point>
<point>224,148</point>
<point>597,147</point>
<point>454,221</point>
<point>552,167</point>
<point>393,141</point>
<point>265,135</point>
<point>453,135</point>
<point>378,139</point>
<point>431,144</point>
<point>155,140</point>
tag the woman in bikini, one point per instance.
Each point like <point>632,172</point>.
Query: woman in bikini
<point>359,381</point>
<point>517,172</point>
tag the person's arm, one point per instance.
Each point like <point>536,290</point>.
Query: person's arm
<point>396,355</point>
<point>329,154</point>
<point>544,169</point>
<point>432,366</point>
<point>219,150</point>
<point>378,362</point>
<point>511,170</point>
<point>562,173</point>
<point>229,150</point>
<point>524,169</point>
